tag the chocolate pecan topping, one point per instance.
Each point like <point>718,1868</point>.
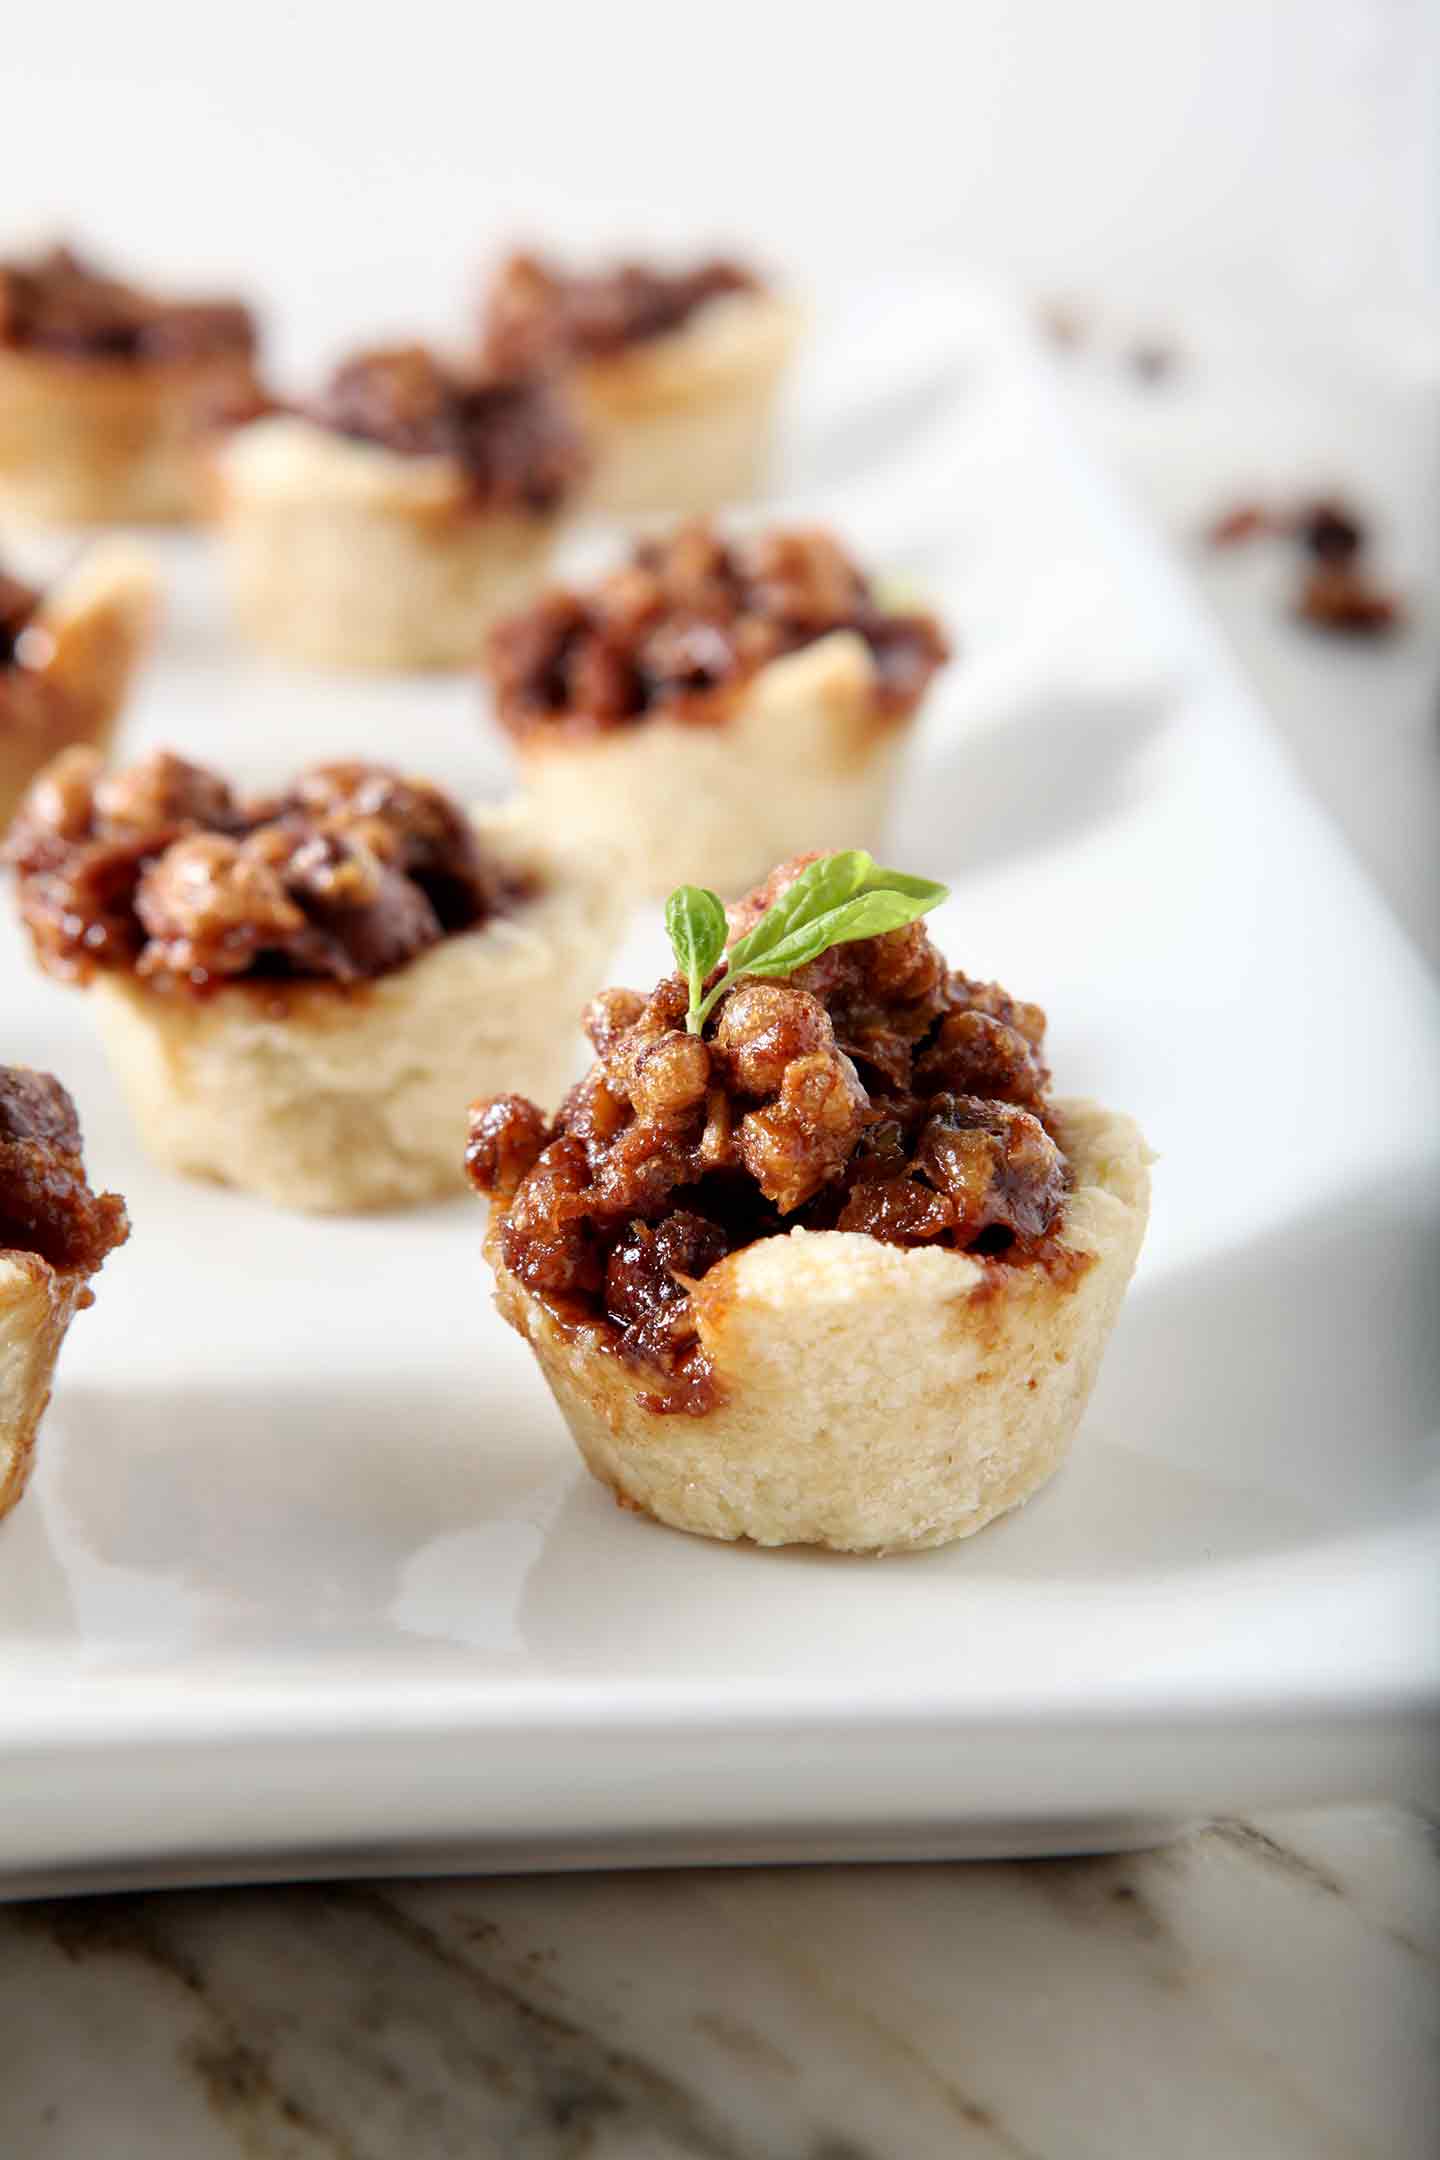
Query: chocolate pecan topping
<point>513,434</point>
<point>46,1205</point>
<point>538,315</point>
<point>58,303</point>
<point>875,1090</point>
<point>164,869</point>
<point>686,621</point>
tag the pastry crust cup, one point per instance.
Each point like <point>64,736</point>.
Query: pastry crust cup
<point>805,752</point>
<point>343,554</point>
<point>877,1399</point>
<point>37,1304</point>
<point>682,424</point>
<point>97,625</point>
<point>94,441</point>
<point>333,1099</point>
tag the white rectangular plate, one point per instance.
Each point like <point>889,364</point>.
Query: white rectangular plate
<point>310,1580</point>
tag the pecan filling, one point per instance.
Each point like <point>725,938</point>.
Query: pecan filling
<point>686,622</point>
<point>61,304</point>
<point>875,1090</point>
<point>513,435</point>
<point>163,869</point>
<point>537,315</point>
<point>46,1205</point>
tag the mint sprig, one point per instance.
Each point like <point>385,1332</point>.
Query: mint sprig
<point>835,900</point>
<point>695,919</point>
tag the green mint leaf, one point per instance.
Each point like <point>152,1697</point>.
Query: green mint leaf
<point>695,920</point>
<point>835,901</point>
<point>916,888</point>
<point>822,885</point>
<point>869,914</point>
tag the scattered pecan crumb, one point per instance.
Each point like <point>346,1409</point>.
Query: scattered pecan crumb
<point>1151,360</point>
<point>1331,531</point>
<point>1244,521</point>
<point>1062,324</point>
<point>1340,597</point>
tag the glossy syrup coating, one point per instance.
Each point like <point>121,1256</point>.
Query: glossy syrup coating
<point>686,621</point>
<point>163,869</point>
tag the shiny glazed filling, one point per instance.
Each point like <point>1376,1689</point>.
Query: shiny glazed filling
<point>161,869</point>
<point>513,435</point>
<point>686,622</point>
<point>538,315</point>
<point>58,303</point>
<point>875,1090</point>
<point>46,1205</point>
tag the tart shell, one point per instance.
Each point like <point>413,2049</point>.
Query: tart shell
<point>875,1399</point>
<point>88,442</point>
<point>804,752</point>
<point>329,1098</point>
<point>95,626</point>
<point>37,1304</point>
<point>344,554</point>
<point>682,423</point>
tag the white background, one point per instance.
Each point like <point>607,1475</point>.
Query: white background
<point>1244,153</point>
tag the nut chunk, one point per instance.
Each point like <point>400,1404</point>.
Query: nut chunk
<point>508,1134</point>
<point>46,1204</point>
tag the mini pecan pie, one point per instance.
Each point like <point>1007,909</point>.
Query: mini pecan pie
<point>389,522</point>
<point>105,391</point>
<point>714,705</point>
<point>54,1234</point>
<point>835,1269</point>
<point>295,992</point>
<point>677,372</point>
<point>67,658</point>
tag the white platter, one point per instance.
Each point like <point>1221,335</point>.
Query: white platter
<point>310,1581</point>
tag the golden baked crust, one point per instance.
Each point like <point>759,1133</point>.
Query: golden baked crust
<point>94,628</point>
<point>806,751</point>
<point>55,1233</point>
<point>88,441</point>
<point>332,1098</point>
<point>37,1304</point>
<point>345,554</point>
<point>682,423</point>
<point>875,1398</point>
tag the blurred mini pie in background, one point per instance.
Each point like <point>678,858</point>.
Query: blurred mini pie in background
<point>295,993</point>
<point>677,372</point>
<point>812,1255</point>
<point>106,392</point>
<point>54,1234</point>
<point>68,655</point>
<point>714,705</point>
<point>387,524</point>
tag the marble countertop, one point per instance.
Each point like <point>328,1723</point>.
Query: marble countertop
<point>1267,1989</point>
